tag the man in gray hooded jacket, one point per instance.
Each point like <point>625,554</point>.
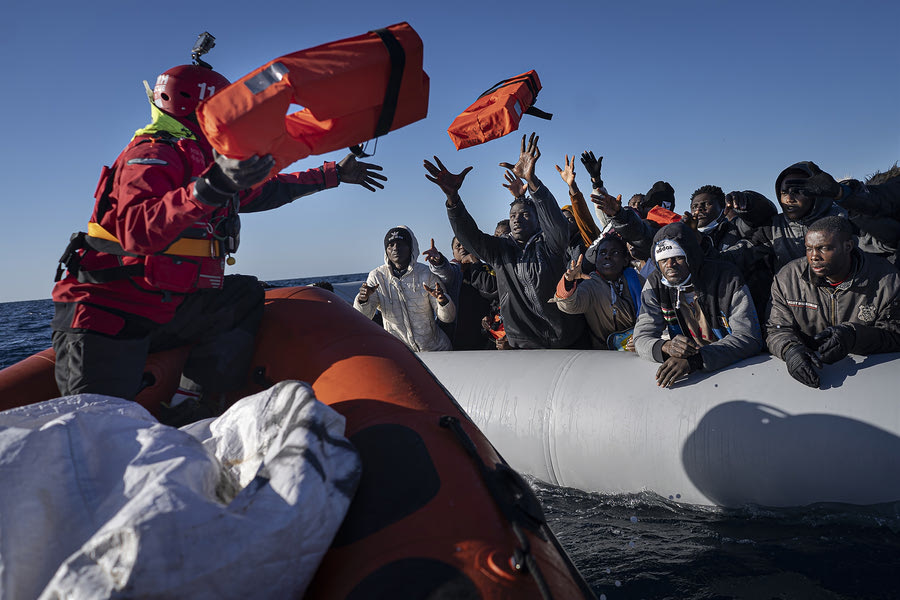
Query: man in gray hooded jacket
<point>703,304</point>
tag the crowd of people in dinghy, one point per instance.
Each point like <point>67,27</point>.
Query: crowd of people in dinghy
<point>698,291</point>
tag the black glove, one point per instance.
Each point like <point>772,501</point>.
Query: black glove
<point>834,343</point>
<point>822,184</point>
<point>228,176</point>
<point>800,361</point>
<point>592,166</point>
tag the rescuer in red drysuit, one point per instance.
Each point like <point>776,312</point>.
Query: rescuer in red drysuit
<point>148,274</point>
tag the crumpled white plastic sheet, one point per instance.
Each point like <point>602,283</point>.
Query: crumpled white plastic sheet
<point>97,499</point>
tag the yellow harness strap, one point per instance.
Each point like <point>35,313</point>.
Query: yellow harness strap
<point>181,247</point>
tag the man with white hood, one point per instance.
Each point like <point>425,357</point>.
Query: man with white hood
<point>408,294</point>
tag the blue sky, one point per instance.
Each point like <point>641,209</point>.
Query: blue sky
<point>691,92</point>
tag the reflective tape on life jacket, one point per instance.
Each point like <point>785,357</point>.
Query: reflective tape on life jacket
<point>497,111</point>
<point>180,247</point>
<point>351,91</point>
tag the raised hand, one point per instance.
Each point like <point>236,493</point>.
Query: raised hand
<point>444,179</point>
<point>822,184</point>
<point>515,185</point>
<point>360,173</point>
<point>609,205</point>
<point>437,293</point>
<point>433,255</point>
<point>528,157</point>
<point>574,272</point>
<point>365,290</point>
<point>567,174</point>
<point>738,201</point>
<point>592,166</point>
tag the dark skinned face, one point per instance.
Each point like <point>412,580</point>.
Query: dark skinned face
<point>674,269</point>
<point>611,260</point>
<point>399,252</point>
<point>794,203</point>
<point>828,255</point>
<point>522,222</point>
<point>460,253</point>
<point>705,208</point>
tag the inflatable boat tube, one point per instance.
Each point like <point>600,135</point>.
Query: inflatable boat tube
<point>749,434</point>
<point>438,513</point>
<point>350,91</point>
<point>497,111</point>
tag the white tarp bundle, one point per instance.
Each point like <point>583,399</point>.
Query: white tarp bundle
<point>97,499</point>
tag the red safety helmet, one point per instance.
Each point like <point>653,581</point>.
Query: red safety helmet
<point>179,90</point>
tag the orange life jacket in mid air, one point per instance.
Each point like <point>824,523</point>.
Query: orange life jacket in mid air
<point>350,91</point>
<point>497,111</point>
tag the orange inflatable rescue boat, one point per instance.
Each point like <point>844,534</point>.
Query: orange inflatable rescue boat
<point>497,111</point>
<point>350,91</point>
<point>438,513</point>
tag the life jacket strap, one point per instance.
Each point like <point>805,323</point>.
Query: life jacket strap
<point>392,92</point>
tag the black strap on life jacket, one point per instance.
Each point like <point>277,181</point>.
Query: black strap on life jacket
<point>532,86</point>
<point>392,92</point>
<point>71,260</point>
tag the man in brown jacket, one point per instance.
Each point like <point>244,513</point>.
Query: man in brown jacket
<point>834,301</point>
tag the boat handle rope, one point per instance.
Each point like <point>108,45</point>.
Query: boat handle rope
<point>507,500</point>
<point>521,508</point>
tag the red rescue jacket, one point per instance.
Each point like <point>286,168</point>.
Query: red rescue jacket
<point>150,242</point>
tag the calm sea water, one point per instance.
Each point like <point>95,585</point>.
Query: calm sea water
<point>644,546</point>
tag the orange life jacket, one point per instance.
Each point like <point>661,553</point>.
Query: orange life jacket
<point>662,216</point>
<point>351,91</point>
<point>497,111</point>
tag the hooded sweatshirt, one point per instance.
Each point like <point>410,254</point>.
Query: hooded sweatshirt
<point>526,274</point>
<point>407,310</point>
<point>719,293</point>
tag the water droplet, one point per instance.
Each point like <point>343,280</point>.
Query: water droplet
<point>602,596</point>
<point>608,571</point>
<point>618,583</point>
<point>631,544</point>
<point>634,519</point>
<point>678,495</point>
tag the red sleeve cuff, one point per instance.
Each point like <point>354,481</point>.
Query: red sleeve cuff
<point>329,170</point>
<point>561,292</point>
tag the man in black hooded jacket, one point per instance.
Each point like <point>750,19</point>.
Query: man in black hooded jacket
<point>528,262</point>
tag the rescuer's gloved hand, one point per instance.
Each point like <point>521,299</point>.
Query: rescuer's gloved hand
<point>228,176</point>
<point>800,361</point>
<point>834,343</point>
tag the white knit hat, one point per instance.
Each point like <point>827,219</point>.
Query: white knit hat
<point>667,248</point>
